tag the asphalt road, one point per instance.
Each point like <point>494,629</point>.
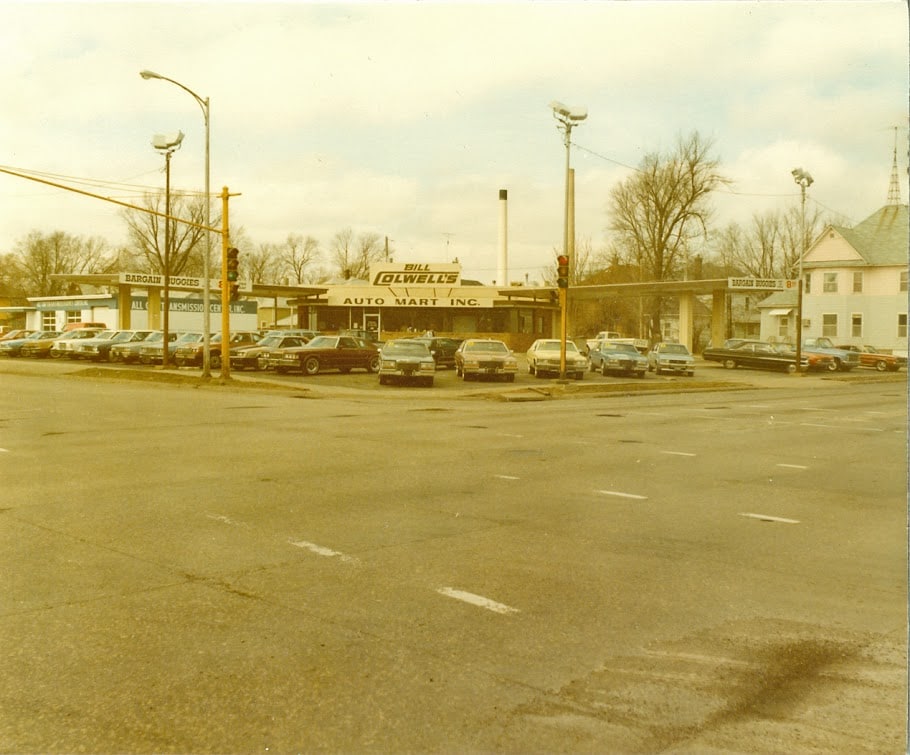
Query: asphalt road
<point>226,569</point>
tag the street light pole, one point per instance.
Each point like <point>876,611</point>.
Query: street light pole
<point>804,181</point>
<point>566,118</point>
<point>167,145</point>
<point>206,314</point>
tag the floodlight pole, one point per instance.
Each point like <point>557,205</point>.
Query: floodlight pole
<point>206,307</point>
<point>804,181</point>
<point>168,149</point>
<point>566,119</point>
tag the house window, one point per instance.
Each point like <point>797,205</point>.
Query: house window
<point>830,283</point>
<point>856,325</point>
<point>857,283</point>
<point>48,321</point>
<point>903,280</point>
<point>902,325</point>
<point>783,326</point>
<point>73,316</point>
<point>807,279</point>
<point>829,325</point>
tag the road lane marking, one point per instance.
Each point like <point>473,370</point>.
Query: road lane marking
<point>793,466</point>
<point>813,424</point>
<point>506,477</point>
<point>226,520</point>
<point>477,600</point>
<point>767,518</point>
<point>4,450</point>
<point>677,453</point>
<point>619,494</point>
<point>320,550</point>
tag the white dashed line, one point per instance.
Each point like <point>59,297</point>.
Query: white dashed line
<point>618,494</point>
<point>476,600</point>
<point>506,477</point>
<point>320,550</point>
<point>226,520</point>
<point>766,518</point>
<point>677,453</point>
<point>812,424</point>
<point>793,466</point>
<point>4,450</point>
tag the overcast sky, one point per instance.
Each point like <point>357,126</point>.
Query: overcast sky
<point>406,119</point>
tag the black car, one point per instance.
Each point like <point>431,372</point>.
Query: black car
<point>442,349</point>
<point>754,354</point>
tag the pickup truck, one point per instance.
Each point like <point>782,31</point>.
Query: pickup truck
<point>844,360</point>
<point>611,336</point>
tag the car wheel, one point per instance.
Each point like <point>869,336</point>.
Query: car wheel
<point>531,369</point>
<point>311,366</point>
<point>215,361</point>
<point>730,364</point>
<point>834,366</point>
<point>791,368</point>
<point>881,365</point>
<point>373,364</point>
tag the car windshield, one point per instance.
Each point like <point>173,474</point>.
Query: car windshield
<point>405,348</point>
<point>555,346</point>
<point>625,347</point>
<point>486,347</point>
<point>673,348</point>
<point>191,338</point>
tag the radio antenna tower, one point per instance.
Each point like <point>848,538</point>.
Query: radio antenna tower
<point>894,188</point>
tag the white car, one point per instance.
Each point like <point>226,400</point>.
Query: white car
<point>405,359</point>
<point>544,358</point>
<point>671,357</point>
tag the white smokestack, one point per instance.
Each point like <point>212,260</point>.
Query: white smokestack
<point>502,269</point>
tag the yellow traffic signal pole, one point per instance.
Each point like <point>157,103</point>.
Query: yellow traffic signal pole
<point>563,330</point>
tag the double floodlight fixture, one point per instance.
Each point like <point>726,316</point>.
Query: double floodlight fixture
<point>167,142</point>
<point>802,177</point>
<point>564,112</point>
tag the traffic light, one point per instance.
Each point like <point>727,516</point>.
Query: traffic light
<point>234,291</point>
<point>233,264</point>
<point>562,271</point>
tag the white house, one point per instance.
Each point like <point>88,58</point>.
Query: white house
<point>855,286</point>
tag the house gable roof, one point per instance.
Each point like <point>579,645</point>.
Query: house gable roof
<point>882,238</point>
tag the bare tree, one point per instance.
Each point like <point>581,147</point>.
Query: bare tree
<point>352,255</point>
<point>663,210</point>
<point>297,254</point>
<point>146,234</point>
<point>39,256</point>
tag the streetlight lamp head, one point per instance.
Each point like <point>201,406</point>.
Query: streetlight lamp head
<point>571,113</point>
<point>149,74</point>
<point>167,141</point>
<point>557,107</point>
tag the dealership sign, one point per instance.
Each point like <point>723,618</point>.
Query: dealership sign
<point>415,274</point>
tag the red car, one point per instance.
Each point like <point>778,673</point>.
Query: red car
<point>869,356</point>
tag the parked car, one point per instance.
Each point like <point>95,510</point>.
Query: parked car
<point>247,357</point>
<point>129,352</point>
<point>17,333</point>
<point>844,359</point>
<point>64,345</point>
<point>623,358</point>
<point>671,357</point>
<point>342,353</point>
<point>151,351</point>
<point>485,357</point>
<point>442,349</point>
<point>545,354</point>
<point>754,354</point>
<point>77,325</point>
<point>404,360</point>
<point>190,353</point>
<point>811,360</point>
<point>869,356</point>
<point>99,347</point>
<point>309,335</point>
<point>12,347</point>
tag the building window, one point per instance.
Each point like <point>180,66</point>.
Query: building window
<point>807,279</point>
<point>830,283</point>
<point>829,325</point>
<point>48,321</point>
<point>856,325</point>
<point>783,326</point>
<point>73,316</point>
<point>903,280</point>
<point>857,283</point>
<point>902,325</point>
